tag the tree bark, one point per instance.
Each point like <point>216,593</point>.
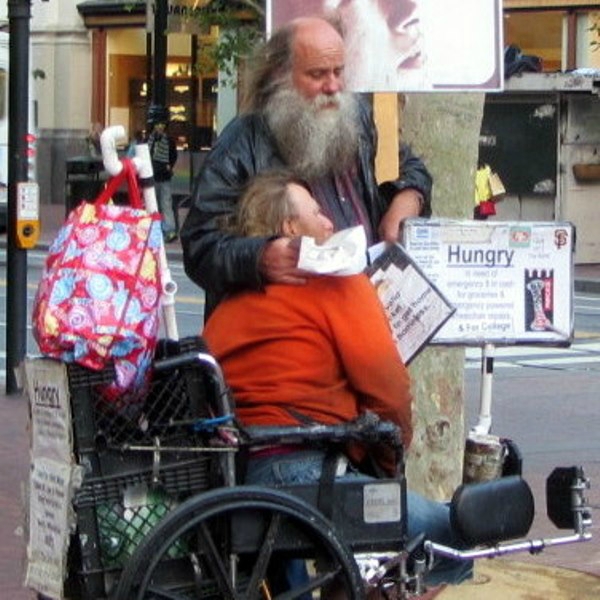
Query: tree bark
<point>444,130</point>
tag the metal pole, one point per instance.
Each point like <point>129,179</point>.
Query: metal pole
<point>193,142</point>
<point>19,15</point>
<point>159,89</point>
<point>484,424</point>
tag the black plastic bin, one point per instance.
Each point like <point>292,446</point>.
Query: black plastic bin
<point>142,452</point>
<point>85,177</point>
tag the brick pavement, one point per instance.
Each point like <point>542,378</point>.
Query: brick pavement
<point>14,462</point>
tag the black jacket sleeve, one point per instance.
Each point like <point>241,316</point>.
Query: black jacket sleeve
<point>413,175</point>
<point>218,261</point>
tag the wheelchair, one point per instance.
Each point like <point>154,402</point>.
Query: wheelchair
<point>162,514</point>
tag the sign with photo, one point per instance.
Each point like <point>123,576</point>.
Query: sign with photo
<point>510,282</point>
<point>411,45</point>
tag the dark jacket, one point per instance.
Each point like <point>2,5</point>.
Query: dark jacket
<point>220,262</point>
<point>163,153</point>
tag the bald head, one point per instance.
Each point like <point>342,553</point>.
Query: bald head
<point>317,57</point>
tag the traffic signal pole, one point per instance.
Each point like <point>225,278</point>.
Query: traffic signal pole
<point>159,87</point>
<point>19,15</point>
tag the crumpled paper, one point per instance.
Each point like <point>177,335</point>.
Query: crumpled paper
<point>344,253</point>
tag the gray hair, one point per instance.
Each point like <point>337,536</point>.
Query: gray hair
<point>271,64</point>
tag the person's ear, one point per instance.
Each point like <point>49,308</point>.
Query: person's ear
<point>289,227</point>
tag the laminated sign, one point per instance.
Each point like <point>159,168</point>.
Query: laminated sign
<point>415,307</point>
<point>511,282</point>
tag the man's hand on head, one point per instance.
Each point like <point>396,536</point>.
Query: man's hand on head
<point>405,204</point>
<point>278,262</point>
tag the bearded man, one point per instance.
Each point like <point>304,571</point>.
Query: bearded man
<point>296,116</point>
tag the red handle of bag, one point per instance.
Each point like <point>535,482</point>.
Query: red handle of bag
<point>127,173</point>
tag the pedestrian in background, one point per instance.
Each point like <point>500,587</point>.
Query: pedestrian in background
<point>163,153</point>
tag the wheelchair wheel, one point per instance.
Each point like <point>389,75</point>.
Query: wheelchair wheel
<point>237,543</point>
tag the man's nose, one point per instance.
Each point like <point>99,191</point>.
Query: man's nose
<point>332,84</point>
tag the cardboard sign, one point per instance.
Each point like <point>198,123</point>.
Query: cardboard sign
<point>48,391</point>
<point>51,521</point>
<point>53,477</point>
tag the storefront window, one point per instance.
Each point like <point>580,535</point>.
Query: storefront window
<point>539,33</point>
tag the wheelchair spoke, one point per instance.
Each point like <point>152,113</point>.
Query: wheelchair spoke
<point>264,557</point>
<point>215,563</point>
<point>314,584</point>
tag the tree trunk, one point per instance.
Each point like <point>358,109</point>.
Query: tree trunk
<point>443,129</point>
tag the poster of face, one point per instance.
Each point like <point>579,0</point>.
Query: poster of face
<point>411,45</point>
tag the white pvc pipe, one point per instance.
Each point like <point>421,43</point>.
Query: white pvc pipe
<point>143,167</point>
<point>108,145</point>
<point>484,424</point>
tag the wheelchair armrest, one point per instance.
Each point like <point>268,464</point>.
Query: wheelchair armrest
<point>368,429</point>
<point>205,361</point>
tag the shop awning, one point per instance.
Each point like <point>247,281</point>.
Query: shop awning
<point>113,13</point>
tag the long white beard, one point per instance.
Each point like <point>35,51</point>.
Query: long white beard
<point>313,140</point>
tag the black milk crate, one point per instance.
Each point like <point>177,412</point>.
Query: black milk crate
<point>164,413</point>
<point>116,512</point>
<point>140,459</point>
<point>128,505</point>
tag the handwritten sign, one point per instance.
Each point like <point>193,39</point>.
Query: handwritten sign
<point>415,308</point>
<point>50,524</point>
<point>53,477</point>
<point>47,389</point>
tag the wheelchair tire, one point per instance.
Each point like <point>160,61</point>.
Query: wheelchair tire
<point>194,551</point>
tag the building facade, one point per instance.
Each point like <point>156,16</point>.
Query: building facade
<point>545,127</point>
<point>96,61</point>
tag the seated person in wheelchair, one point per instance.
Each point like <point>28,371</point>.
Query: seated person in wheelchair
<point>318,353</point>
